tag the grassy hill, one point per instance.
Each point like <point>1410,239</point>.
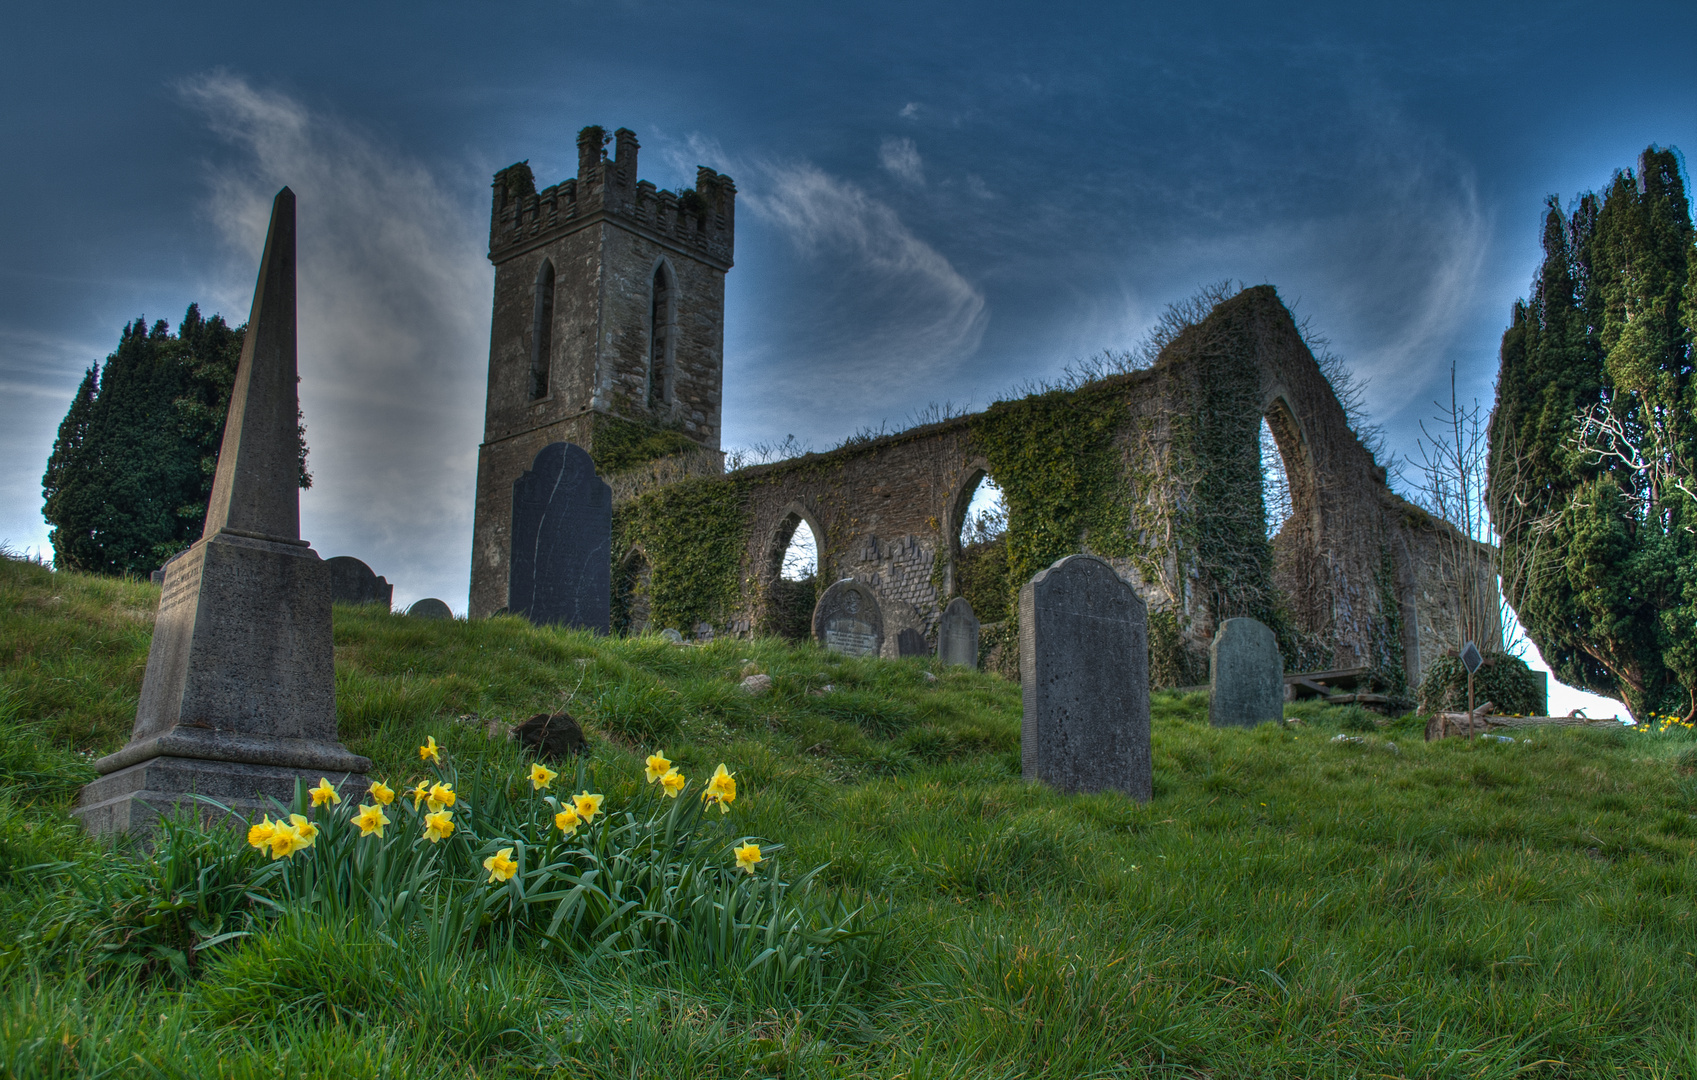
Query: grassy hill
<point>1290,904</point>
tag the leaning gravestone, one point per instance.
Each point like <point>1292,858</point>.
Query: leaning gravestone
<point>561,570</point>
<point>847,620</point>
<point>239,698</point>
<point>911,642</point>
<point>1084,670</point>
<point>1247,675</point>
<point>430,608</point>
<point>957,634</point>
<point>353,582</point>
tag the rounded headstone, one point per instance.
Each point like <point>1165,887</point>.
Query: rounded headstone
<point>561,571</point>
<point>671,634</point>
<point>847,620</point>
<point>911,642</point>
<point>353,582</point>
<point>957,634</point>
<point>1246,683</point>
<point>430,608</point>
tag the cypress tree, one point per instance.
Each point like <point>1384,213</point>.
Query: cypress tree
<point>1599,556</point>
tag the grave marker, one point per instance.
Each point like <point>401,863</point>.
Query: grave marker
<point>430,608</point>
<point>1246,675</point>
<point>957,634</point>
<point>562,571</point>
<point>847,620</point>
<point>353,582</point>
<point>911,642</point>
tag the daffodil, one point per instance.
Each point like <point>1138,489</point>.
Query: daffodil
<point>285,842</point>
<point>382,793</point>
<point>419,793</point>
<point>501,866</point>
<point>673,782</point>
<point>747,856</point>
<point>541,775</point>
<point>587,806</point>
<point>441,796</point>
<point>260,834</point>
<point>721,789</point>
<point>307,830</point>
<point>438,826</point>
<point>371,820</point>
<point>324,793</point>
<point>567,821</point>
<point>658,767</point>
<point>430,751</point>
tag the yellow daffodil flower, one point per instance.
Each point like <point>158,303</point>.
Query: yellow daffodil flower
<point>285,842</point>
<point>501,866</point>
<point>721,789</point>
<point>658,767</point>
<point>430,751</point>
<point>567,821</point>
<point>324,793</point>
<point>439,826</point>
<point>441,796</point>
<point>307,830</point>
<point>382,793</point>
<point>747,856</point>
<point>587,806</point>
<point>541,775</point>
<point>419,793</point>
<point>673,782</point>
<point>371,820</point>
<point>260,834</point>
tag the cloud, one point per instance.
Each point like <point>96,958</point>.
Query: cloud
<point>393,314</point>
<point>909,111</point>
<point>900,157</point>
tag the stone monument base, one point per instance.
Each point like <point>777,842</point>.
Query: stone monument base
<point>136,797</point>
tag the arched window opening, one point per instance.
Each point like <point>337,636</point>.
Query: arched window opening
<point>542,332</point>
<point>631,608</point>
<point>1275,482</point>
<point>981,551</point>
<point>660,330</point>
<point>795,585</point>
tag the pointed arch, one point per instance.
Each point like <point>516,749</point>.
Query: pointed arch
<point>542,331</point>
<point>662,336</point>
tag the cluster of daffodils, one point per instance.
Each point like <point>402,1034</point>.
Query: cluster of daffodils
<point>1662,723</point>
<point>721,791</point>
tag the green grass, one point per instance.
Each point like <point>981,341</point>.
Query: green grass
<point>1287,905</point>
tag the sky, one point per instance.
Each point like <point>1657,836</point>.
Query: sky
<point>938,202</point>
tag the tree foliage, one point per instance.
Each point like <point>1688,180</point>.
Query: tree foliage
<point>1592,443</point>
<point>127,483</point>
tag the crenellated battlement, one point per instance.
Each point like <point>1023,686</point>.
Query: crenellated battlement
<point>700,220</point>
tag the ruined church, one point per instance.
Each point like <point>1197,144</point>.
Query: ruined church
<point>608,332</point>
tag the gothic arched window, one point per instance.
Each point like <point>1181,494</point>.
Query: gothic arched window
<point>542,332</point>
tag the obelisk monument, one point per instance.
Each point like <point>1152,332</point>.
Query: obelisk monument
<point>239,697</point>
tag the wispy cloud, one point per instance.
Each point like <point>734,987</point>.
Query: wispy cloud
<point>393,314</point>
<point>900,158</point>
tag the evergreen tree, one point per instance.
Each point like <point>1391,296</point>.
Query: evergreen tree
<point>1593,444</point>
<point>127,484</point>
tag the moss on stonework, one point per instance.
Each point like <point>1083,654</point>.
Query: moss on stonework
<point>693,534</point>
<point>619,444</point>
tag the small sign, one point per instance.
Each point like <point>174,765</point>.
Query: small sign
<point>1470,658</point>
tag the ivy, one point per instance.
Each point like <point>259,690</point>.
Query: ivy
<point>621,444</point>
<point>693,534</point>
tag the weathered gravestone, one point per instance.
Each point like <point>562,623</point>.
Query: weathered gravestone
<point>1084,670</point>
<point>957,634</point>
<point>561,570</point>
<point>239,697</point>
<point>847,620</point>
<point>430,608</point>
<point>671,634</point>
<point>911,642</point>
<point>1246,684</point>
<point>353,582</point>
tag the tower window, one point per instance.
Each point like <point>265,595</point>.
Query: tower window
<point>542,333</point>
<point>660,389</point>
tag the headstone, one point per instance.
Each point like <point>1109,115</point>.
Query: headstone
<point>847,620</point>
<point>703,632</point>
<point>353,582</point>
<point>430,608</point>
<point>911,642</point>
<point>671,634</point>
<point>550,736</point>
<point>1084,671</point>
<point>562,571</point>
<point>957,634</point>
<point>1247,681</point>
<point>239,697</point>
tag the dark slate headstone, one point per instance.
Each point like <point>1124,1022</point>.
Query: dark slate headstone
<point>1084,670</point>
<point>911,642</point>
<point>353,582</point>
<point>430,608</point>
<point>957,634</point>
<point>562,568</point>
<point>1247,681</point>
<point>848,620</point>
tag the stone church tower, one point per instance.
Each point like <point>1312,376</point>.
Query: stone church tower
<point>609,313</point>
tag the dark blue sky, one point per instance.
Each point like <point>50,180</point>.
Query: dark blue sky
<point>938,202</point>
